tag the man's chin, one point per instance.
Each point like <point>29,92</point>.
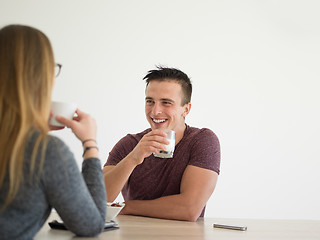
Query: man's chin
<point>154,127</point>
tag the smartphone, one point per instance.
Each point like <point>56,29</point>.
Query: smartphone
<point>239,228</point>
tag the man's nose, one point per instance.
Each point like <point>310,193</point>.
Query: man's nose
<point>157,109</point>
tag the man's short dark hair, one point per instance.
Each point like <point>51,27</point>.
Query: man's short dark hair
<point>172,74</point>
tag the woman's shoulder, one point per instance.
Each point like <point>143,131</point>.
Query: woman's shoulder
<point>55,142</point>
<point>57,148</point>
<point>51,152</point>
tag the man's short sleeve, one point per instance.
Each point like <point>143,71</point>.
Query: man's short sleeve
<point>121,150</point>
<point>205,150</point>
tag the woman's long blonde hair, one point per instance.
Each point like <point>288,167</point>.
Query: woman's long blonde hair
<point>26,81</point>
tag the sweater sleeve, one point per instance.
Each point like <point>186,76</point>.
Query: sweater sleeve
<point>80,199</point>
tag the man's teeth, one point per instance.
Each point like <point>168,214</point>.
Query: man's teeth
<point>159,121</point>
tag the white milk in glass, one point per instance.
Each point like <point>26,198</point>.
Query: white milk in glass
<point>168,153</point>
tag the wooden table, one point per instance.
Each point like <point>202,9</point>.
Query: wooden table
<point>140,228</point>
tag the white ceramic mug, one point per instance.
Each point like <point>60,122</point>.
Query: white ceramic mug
<point>168,153</point>
<point>64,109</point>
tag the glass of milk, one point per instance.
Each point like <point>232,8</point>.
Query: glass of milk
<point>168,153</point>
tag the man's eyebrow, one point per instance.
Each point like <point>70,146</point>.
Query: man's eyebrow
<point>162,99</point>
<point>167,100</point>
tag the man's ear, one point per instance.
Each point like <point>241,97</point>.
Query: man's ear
<point>187,108</point>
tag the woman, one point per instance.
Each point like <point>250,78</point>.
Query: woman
<point>37,171</point>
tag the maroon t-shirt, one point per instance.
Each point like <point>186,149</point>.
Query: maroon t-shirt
<point>158,177</point>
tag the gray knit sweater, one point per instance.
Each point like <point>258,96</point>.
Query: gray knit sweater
<point>80,199</point>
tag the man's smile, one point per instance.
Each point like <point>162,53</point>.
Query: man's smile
<point>158,120</point>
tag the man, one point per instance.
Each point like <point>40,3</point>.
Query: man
<point>175,188</point>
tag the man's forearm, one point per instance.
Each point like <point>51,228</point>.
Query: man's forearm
<point>115,177</point>
<point>197,185</point>
<point>177,207</point>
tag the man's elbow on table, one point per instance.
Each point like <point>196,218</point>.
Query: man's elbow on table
<point>192,218</point>
<point>191,212</point>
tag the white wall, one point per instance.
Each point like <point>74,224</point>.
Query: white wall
<point>255,71</point>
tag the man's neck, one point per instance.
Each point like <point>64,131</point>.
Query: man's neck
<point>180,133</point>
